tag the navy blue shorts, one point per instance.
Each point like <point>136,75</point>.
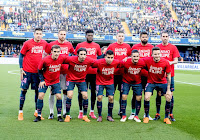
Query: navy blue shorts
<point>82,86</point>
<point>30,78</point>
<point>159,87</point>
<point>55,88</point>
<point>172,84</point>
<point>109,90</point>
<point>144,81</point>
<point>137,88</point>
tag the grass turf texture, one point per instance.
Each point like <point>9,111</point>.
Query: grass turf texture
<point>185,111</point>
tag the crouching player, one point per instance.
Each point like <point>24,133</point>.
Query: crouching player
<point>78,67</point>
<point>49,73</point>
<point>105,79</point>
<point>158,68</point>
<point>131,78</point>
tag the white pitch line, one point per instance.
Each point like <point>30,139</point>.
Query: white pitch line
<point>14,72</point>
<point>195,84</point>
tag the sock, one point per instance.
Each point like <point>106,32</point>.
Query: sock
<point>93,98</point>
<point>123,107</point>
<point>39,106</point>
<point>172,105</point>
<point>110,108</point>
<point>138,106</point>
<point>51,103</point>
<point>80,99</point>
<point>146,108</point>
<point>59,107</point>
<point>158,103</point>
<point>36,97</point>
<point>91,110</point>
<point>120,101</point>
<point>20,111</point>
<point>64,103</point>
<point>68,106</point>
<point>133,103</point>
<point>99,108</point>
<point>22,99</point>
<point>85,106</point>
<point>167,109</point>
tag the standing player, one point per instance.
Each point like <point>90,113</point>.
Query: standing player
<point>93,50</point>
<point>78,67</point>
<point>49,73</point>
<point>131,78</point>
<point>171,53</point>
<point>121,50</point>
<point>158,68</point>
<point>105,79</point>
<point>66,48</point>
<point>145,50</point>
<point>29,59</point>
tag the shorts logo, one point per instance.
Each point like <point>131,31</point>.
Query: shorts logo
<point>24,81</point>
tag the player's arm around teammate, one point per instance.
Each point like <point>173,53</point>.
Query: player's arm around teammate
<point>49,72</point>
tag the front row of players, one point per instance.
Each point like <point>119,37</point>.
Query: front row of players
<point>158,75</point>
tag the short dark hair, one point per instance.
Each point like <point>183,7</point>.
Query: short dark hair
<point>155,49</point>
<point>62,30</point>
<point>109,52</point>
<point>55,47</point>
<point>134,51</point>
<point>164,32</point>
<point>37,29</point>
<point>89,31</point>
<point>143,33</point>
<point>81,49</point>
<point>122,32</point>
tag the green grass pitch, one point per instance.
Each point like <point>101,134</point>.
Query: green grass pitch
<point>186,112</point>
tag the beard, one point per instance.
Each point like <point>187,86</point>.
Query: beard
<point>89,41</point>
<point>144,41</point>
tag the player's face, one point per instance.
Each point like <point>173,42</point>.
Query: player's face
<point>165,38</point>
<point>135,57</point>
<point>144,38</point>
<point>62,35</point>
<point>109,58</point>
<point>156,55</point>
<point>55,53</point>
<point>89,37</point>
<point>38,36</point>
<point>120,37</point>
<point>81,56</point>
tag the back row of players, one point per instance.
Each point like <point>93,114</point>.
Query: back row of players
<point>115,70</point>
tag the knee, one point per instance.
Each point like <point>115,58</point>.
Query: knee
<point>168,98</point>
<point>138,98</point>
<point>85,96</point>
<point>159,93</point>
<point>147,98</point>
<point>110,99</point>
<point>58,96</point>
<point>41,97</point>
<point>124,97</point>
<point>99,98</point>
<point>69,96</point>
<point>24,90</point>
